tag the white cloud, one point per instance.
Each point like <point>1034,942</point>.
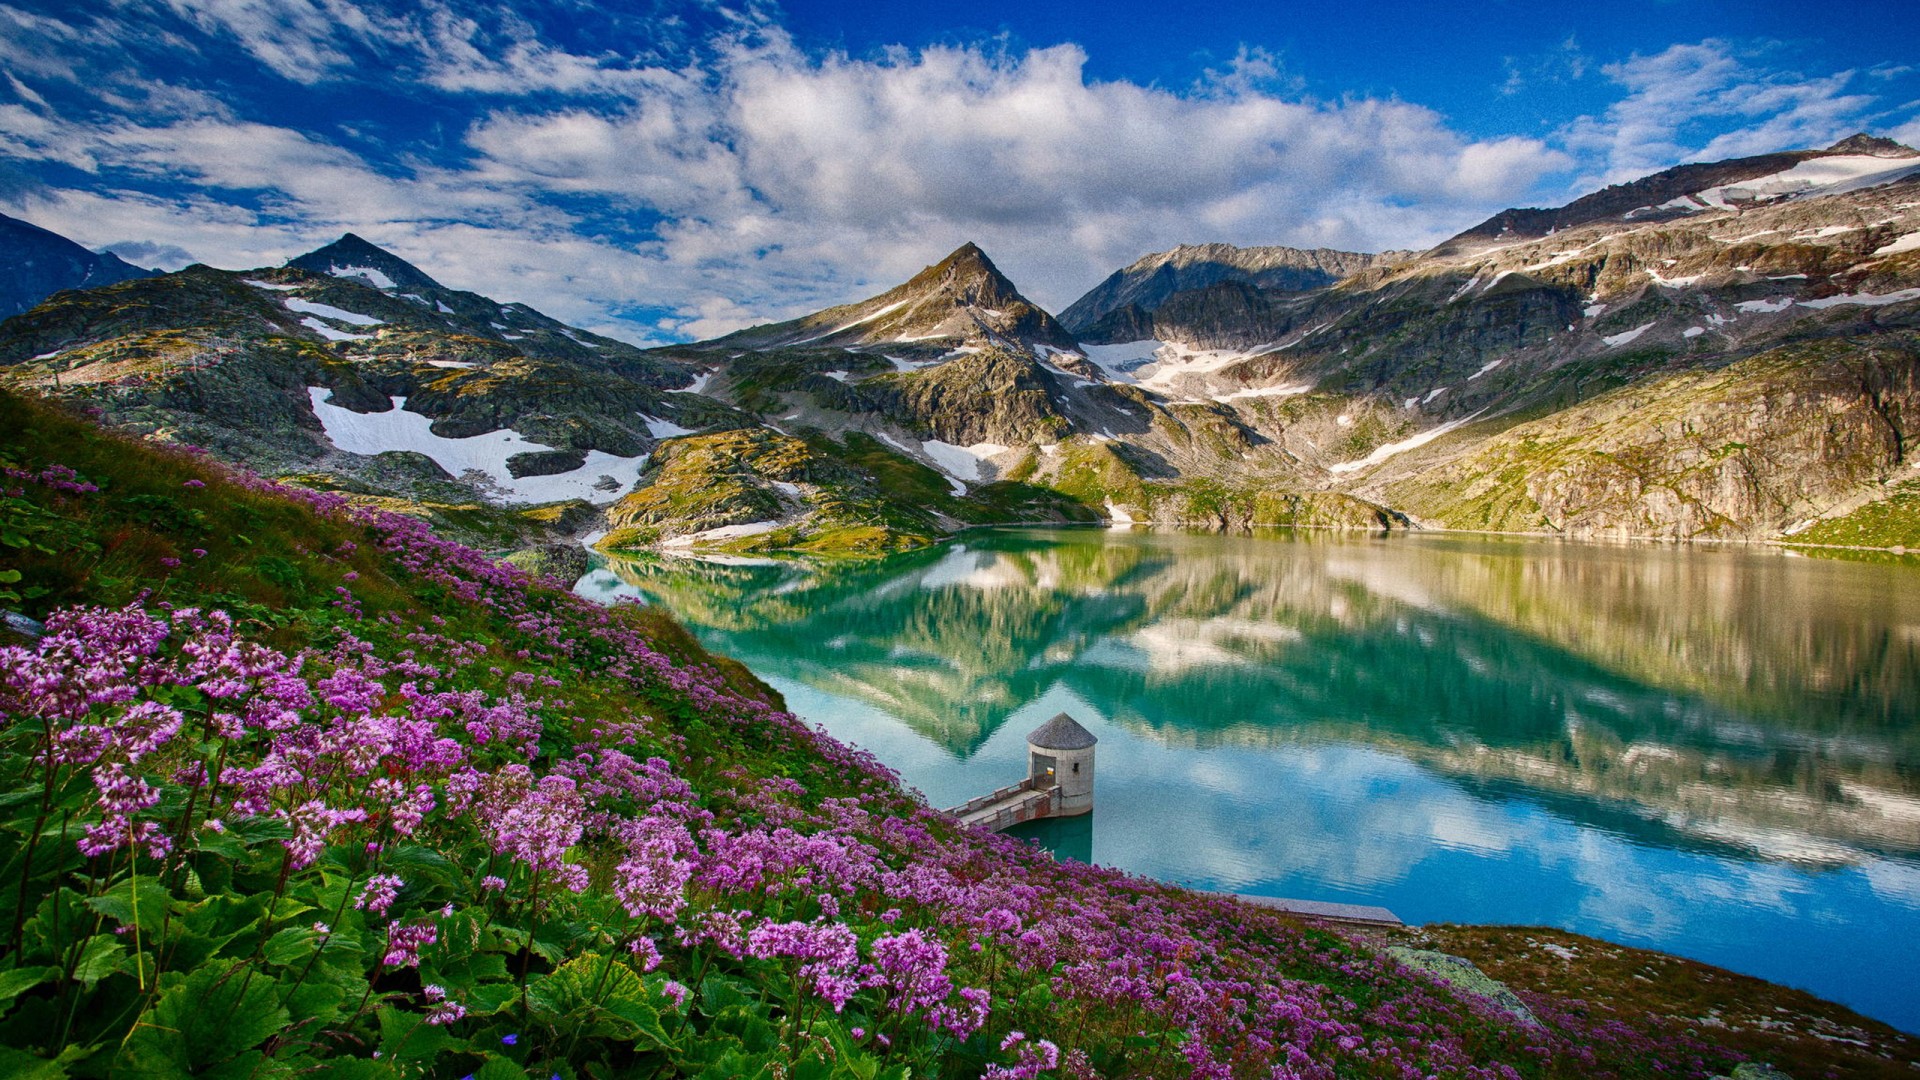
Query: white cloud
<point>301,40</point>
<point>844,173</point>
<point>1707,102</point>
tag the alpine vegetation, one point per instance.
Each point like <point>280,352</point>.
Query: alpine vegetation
<point>294,785</point>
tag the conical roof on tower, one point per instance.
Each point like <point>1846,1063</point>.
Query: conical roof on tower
<point>1062,732</point>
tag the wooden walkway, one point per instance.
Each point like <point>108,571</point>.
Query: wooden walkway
<point>1008,806</point>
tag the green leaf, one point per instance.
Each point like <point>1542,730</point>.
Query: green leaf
<point>141,900</point>
<point>20,1065</point>
<point>852,1061</point>
<point>221,844</point>
<point>292,944</point>
<point>19,981</point>
<point>102,956</point>
<point>47,933</point>
<point>406,1036</point>
<point>208,926</point>
<point>1038,997</point>
<point>734,1065</point>
<point>633,1001</point>
<point>592,993</point>
<point>202,1022</point>
<point>358,1069</point>
<point>811,1067</point>
<point>315,1000</point>
<point>489,998</point>
<point>419,864</point>
<point>9,577</point>
<point>499,1068</point>
<point>721,992</point>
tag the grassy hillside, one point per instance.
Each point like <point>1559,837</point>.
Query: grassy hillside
<point>290,786</point>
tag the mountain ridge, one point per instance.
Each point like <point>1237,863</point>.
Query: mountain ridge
<point>1651,195</point>
<point>40,262</point>
<point>1134,291</point>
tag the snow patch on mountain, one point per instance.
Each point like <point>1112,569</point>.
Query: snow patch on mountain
<point>723,532</point>
<point>398,429</point>
<point>330,333</point>
<point>969,463</point>
<point>861,321</point>
<point>1122,360</point>
<point>328,311</point>
<point>1382,453</point>
<point>1864,299</point>
<point>1625,337</point>
<point>1909,242</point>
<point>1158,365</point>
<point>368,274</point>
<point>664,429</point>
<point>1818,176</point>
<point>1288,390</point>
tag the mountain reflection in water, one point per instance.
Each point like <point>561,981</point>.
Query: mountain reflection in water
<point>1708,751</point>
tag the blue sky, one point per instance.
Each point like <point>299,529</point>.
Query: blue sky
<point>664,170</point>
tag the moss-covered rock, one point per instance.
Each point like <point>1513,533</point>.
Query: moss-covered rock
<point>562,562</point>
<point>545,462</point>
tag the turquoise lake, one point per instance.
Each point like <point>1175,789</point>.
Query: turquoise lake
<point>1709,751</point>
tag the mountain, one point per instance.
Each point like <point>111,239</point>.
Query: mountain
<point>1741,364</point>
<point>36,263</point>
<point>368,377</point>
<point>1725,350</point>
<point>959,373</point>
<point>352,257</point>
<point>1857,161</point>
<point>962,300</point>
<point>351,369</point>
<point>1128,295</point>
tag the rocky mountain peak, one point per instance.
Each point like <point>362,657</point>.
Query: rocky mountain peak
<point>1863,143</point>
<point>352,256</point>
<point>967,274</point>
<point>963,298</point>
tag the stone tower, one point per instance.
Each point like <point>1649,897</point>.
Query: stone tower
<point>1060,752</point>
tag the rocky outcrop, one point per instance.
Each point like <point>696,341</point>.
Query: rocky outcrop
<point>711,481</point>
<point>565,563</point>
<point>992,396</point>
<point>1747,451</point>
<point>1149,282</point>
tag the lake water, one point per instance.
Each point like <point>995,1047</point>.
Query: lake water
<point>1713,752</point>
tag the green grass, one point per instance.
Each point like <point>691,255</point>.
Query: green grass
<point>1892,522</point>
